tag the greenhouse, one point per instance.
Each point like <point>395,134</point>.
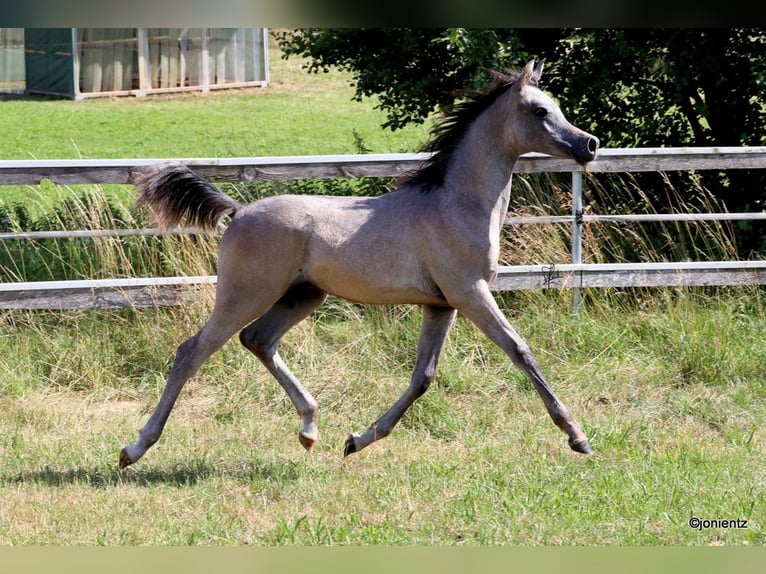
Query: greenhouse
<point>90,62</point>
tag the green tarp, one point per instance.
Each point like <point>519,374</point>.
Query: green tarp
<point>49,61</point>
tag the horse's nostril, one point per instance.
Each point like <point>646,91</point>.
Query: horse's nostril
<point>587,152</point>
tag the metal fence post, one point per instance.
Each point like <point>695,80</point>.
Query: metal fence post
<point>576,231</point>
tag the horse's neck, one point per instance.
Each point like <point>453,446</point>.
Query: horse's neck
<point>480,176</point>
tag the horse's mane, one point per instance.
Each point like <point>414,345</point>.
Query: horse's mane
<point>455,122</point>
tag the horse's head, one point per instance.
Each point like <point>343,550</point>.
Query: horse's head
<point>540,126</point>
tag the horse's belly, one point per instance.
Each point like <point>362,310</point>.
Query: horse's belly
<point>367,255</point>
<point>375,286</point>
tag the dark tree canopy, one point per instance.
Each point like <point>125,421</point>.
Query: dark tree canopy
<point>651,87</point>
<point>637,86</point>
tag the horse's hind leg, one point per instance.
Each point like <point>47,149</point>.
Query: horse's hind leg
<point>437,322</point>
<point>261,338</point>
<point>190,356</point>
<point>480,307</point>
<point>233,310</point>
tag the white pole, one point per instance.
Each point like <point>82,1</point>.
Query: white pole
<point>576,230</point>
<point>77,95</point>
<point>144,72</point>
<point>205,61</point>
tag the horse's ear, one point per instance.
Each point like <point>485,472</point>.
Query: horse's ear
<point>531,73</point>
<point>526,74</point>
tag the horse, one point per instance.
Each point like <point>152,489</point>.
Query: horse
<point>433,241</point>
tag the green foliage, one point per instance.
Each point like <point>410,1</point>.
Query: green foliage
<point>634,87</point>
<point>658,87</point>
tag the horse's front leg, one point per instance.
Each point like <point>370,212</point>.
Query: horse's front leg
<point>437,322</point>
<point>479,306</point>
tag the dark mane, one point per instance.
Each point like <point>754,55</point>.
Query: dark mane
<point>452,127</point>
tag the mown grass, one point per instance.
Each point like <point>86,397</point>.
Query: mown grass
<point>298,114</point>
<point>673,403</point>
<point>668,384</point>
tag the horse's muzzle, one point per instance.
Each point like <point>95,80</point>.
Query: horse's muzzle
<point>587,150</point>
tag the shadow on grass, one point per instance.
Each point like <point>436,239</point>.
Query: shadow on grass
<point>194,473</point>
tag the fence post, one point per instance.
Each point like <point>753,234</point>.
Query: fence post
<point>77,94</point>
<point>205,60</point>
<point>576,230</point>
<point>144,62</point>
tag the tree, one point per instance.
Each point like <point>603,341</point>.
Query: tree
<point>635,86</point>
<point>660,87</point>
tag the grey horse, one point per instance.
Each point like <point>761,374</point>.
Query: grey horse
<point>434,242</point>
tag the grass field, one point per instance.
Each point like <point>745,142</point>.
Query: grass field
<point>668,385</point>
<point>298,114</point>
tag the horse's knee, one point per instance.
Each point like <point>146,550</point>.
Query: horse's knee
<point>422,384</point>
<point>256,343</point>
<point>186,353</point>
<point>522,356</point>
<point>246,337</point>
<point>187,347</point>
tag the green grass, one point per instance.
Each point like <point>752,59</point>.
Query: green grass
<point>476,461</point>
<point>252,122</point>
<point>668,384</point>
<point>298,114</point>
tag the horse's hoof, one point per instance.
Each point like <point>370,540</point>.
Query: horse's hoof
<point>350,447</point>
<point>125,459</point>
<point>581,446</point>
<point>306,441</point>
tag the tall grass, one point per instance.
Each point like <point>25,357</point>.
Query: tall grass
<point>91,209</point>
<point>617,242</point>
<point>617,194</point>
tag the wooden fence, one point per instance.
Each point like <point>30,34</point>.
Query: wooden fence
<point>573,274</point>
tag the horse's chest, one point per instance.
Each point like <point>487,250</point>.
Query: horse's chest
<point>466,247</point>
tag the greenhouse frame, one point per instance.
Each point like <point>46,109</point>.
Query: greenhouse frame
<point>91,62</point>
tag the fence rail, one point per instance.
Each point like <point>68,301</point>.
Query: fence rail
<point>124,171</point>
<point>576,275</point>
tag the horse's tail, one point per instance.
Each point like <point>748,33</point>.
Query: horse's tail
<point>179,197</point>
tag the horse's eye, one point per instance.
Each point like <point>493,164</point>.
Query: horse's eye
<point>541,112</point>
